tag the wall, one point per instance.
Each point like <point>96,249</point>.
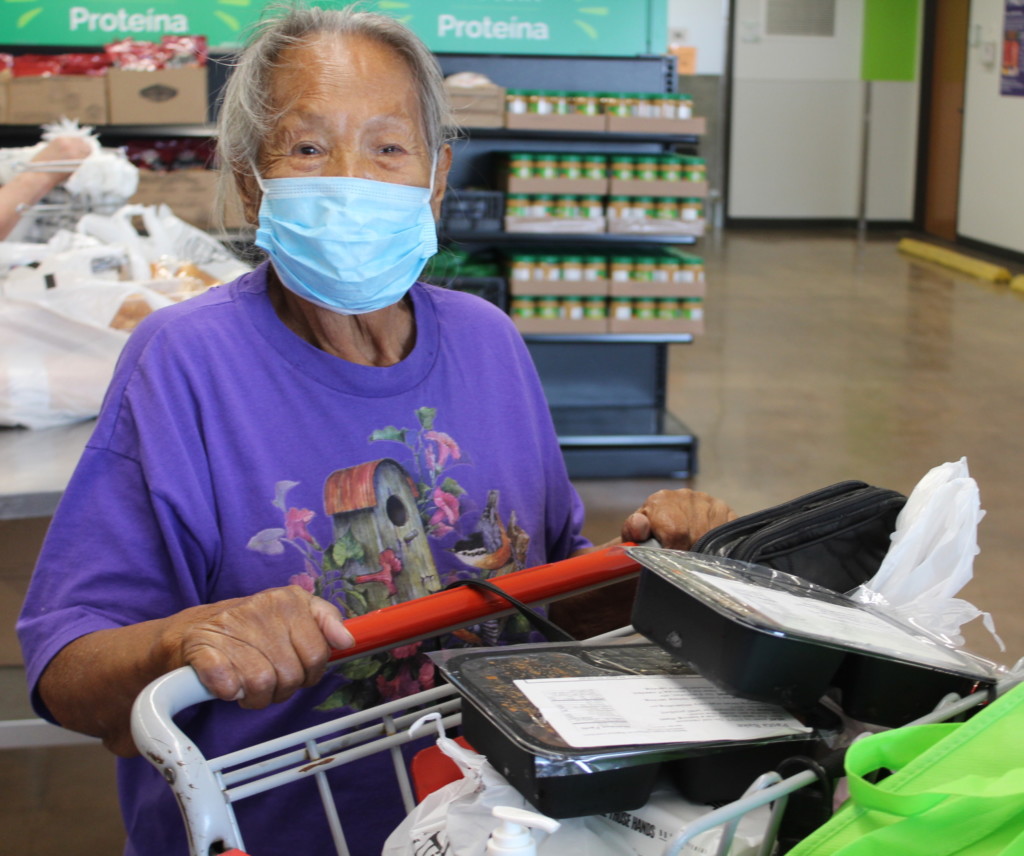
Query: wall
<point>991,179</point>
<point>796,117</point>
<point>703,24</point>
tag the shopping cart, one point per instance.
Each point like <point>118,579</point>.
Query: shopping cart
<point>207,788</point>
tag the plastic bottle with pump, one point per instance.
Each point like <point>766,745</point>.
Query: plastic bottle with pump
<point>514,836</point>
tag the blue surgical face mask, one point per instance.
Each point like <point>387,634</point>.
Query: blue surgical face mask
<point>350,245</point>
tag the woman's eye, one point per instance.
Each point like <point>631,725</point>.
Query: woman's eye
<point>307,149</point>
<point>391,149</point>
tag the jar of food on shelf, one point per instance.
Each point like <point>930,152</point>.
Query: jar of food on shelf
<point>521,268</point>
<point>667,309</point>
<point>586,103</point>
<point>695,169</point>
<point>645,309</point>
<point>692,308</point>
<point>518,205</point>
<point>516,101</point>
<point>684,105</point>
<point>622,167</point>
<point>539,270</point>
<point>524,307</point>
<point>572,308</point>
<point>691,209</point>
<point>619,208</point>
<point>666,107</point>
<point>595,308</point>
<point>520,165</point>
<point>644,208</point>
<point>572,268</point>
<point>666,268</point>
<point>616,103</point>
<point>550,268</point>
<point>648,106</point>
<point>646,168</point>
<point>566,207</point>
<point>643,269</point>
<point>543,205</point>
<point>670,168</point>
<point>571,167</point>
<point>595,167</point>
<point>689,270</point>
<point>666,208</point>
<point>595,268</point>
<point>620,268</point>
<point>591,206</point>
<point>560,102</point>
<point>549,307</point>
<point>538,101</point>
<point>621,308</point>
<point>545,166</point>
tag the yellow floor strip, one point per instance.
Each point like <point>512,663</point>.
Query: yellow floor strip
<point>1017,283</point>
<point>957,261</point>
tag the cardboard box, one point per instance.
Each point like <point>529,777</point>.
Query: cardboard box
<point>478,106</point>
<point>666,327</point>
<point>655,226</point>
<point>635,125</point>
<point>172,96</point>
<point>542,326</point>
<point>562,288</point>
<point>555,122</point>
<point>572,186</point>
<point>637,187</point>
<point>657,289</point>
<point>190,194</point>
<point>556,225</point>
<point>37,100</point>
<point>4,99</point>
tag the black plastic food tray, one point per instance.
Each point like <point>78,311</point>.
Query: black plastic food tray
<point>785,668</point>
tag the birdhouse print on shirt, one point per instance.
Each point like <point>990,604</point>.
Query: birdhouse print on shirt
<point>375,503</point>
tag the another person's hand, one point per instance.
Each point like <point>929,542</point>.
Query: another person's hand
<point>260,649</point>
<point>676,518</point>
<point>63,149</point>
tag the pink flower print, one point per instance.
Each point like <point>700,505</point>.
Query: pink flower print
<point>404,652</point>
<point>390,565</point>
<point>403,684</point>
<point>444,448</point>
<point>426,675</point>
<point>295,521</point>
<point>446,514</point>
<point>303,581</point>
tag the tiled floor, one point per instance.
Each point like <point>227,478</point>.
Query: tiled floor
<point>822,361</point>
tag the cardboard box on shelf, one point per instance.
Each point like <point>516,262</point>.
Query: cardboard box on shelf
<point>637,187</point>
<point>4,98</point>
<point>170,96</point>
<point>570,186</point>
<point>657,325</point>
<point>37,100</point>
<point>190,194</point>
<point>555,122</point>
<point>561,288</point>
<point>655,226</point>
<point>478,106</point>
<point>540,326</point>
<point>636,125</point>
<point>657,289</point>
<point>556,225</point>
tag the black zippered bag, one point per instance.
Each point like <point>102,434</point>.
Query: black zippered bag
<point>836,536</point>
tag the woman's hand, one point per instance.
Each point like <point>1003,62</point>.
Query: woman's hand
<point>259,650</point>
<point>255,650</point>
<point>676,518</point>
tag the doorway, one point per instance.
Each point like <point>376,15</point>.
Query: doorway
<point>942,114</point>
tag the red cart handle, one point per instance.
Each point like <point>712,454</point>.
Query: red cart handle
<point>451,609</point>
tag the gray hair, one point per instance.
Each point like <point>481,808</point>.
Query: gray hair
<point>246,115</point>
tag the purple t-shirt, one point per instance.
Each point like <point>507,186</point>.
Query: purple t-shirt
<point>231,456</point>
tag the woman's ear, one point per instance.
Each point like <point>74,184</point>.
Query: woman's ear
<point>444,164</point>
<point>250,195</point>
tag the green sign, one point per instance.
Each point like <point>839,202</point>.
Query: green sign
<point>889,49</point>
<point>565,27</point>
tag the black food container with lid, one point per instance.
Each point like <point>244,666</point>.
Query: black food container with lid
<point>560,780</point>
<point>763,634</point>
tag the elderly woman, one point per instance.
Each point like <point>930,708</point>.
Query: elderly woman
<point>317,439</point>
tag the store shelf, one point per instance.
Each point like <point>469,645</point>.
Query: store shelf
<point>612,338</point>
<point>581,136</point>
<point>567,239</point>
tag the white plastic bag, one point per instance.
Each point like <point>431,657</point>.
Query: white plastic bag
<point>931,557</point>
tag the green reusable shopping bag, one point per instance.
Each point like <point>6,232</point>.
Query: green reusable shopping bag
<point>956,788</point>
